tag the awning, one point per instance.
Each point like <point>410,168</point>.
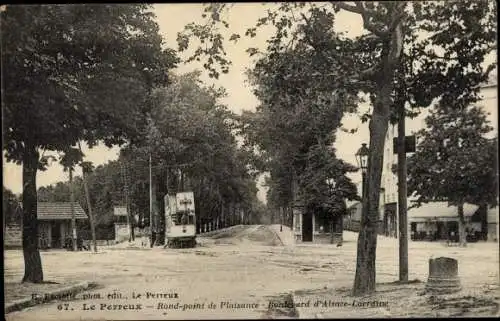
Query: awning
<point>439,211</point>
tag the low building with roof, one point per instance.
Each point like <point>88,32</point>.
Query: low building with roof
<point>439,221</point>
<point>389,181</point>
<point>54,223</point>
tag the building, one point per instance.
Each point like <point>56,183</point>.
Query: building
<point>389,183</point>
<point>308,226</point>
<point>439,221</point>
<point>352,221</point>
<point>54,226</point>
<point>492,224</point>
<point>317,227</point>
<point>122,231</point>
<point>54,223</point>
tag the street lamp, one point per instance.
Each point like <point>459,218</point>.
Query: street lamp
<point>362,159</point>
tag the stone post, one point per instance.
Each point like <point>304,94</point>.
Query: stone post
<point>443,276</point>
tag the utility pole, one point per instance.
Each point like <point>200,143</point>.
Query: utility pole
<point>85,175</point>
<point>150,200</point>
<point>72,206</point>
<point>129,210</point>
<point>402,194</point>
<point>127,206</point>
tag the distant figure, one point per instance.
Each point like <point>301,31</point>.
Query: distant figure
<point>339,244</point>
<point>452,237</point>
<point>142,230</point>
<point>153,238</point>
<point>144,238</point>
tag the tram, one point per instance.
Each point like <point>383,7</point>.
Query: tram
<point>180,220</point>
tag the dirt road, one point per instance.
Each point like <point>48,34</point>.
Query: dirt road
<point>228,276</point>
<point>234,274</point>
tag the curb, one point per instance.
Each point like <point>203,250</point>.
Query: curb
<point>46,297</point>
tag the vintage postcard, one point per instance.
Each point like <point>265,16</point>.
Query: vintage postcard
<point>285,160</point>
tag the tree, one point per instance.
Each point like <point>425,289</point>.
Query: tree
<point>71,73</point>
<point>298,115</point>
<point>192,147</point>
<point>325,186</point>
<point>375,64</point>
<point>454,161</point>
<point>11,207</point>
<point>86,169</point>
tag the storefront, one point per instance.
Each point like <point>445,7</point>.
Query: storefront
<point>437,221</point>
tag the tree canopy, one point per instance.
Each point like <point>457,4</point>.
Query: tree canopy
<point>391,62</point>
<point>73,73</point>
<point>454,161</point>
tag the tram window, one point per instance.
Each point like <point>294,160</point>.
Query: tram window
<point>176,219</point>
<point>183,219</point>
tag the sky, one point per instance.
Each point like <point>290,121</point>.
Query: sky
<point>171,19</point>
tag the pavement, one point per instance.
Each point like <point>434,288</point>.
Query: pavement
<point>237,274</point>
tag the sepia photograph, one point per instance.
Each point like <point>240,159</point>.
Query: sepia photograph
<point>237,160</point>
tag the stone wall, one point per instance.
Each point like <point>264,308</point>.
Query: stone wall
<point>13,236</point>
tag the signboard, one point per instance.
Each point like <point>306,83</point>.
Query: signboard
<point>409,144</point>
<point>185,201</point>
<point>120,211</point>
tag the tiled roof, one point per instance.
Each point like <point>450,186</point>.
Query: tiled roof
<point>58,211</point>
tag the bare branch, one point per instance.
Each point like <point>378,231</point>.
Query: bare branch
<point>309,40</point>
<point>360,9</point>
<point>368,72</point>
<point>490,69</point>
<point>348,7</point>
<point>368,37</point>
<point>491,47</point>
<point>396,21</point>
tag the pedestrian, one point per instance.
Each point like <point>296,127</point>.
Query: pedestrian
<point>142,231</point>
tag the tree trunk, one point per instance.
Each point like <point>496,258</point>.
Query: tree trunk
<point>337,229</point>
<point>72,206</point>
<point>332,230</point>
<point>32,261</point>
<point>132,228</point>
<point>461,225</point>
<point>402,196</point>
<point>222,214</point>
<point>364,281</point>
<point>89,205</point>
